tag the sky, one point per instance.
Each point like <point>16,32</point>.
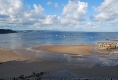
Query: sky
<point>62,15</point>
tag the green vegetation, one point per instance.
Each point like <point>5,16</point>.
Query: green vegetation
<point>6,31</point>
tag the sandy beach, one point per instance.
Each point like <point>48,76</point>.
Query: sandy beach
<point>82,50</point>
<point>16,65</point>
<point>67,49</point>
<point>13,65</point>
<point>8,55</point>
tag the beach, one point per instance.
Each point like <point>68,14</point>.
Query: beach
<point>15,65</point>
<point>68,49</point>
<point>8,55</point>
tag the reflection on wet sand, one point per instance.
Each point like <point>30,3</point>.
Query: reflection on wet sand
<point>86,65</point>
<point>75,59</point>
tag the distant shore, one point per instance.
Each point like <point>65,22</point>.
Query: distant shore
<point>6,31</point>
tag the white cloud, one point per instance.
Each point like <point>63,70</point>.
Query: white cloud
<point>38,9</point>
<point>56,5</point>
<point>108,11</point>
<point>49,3</point>
<point>10,11</point>
<point>49,20</point>
<point>106,19</point>
<point>73,14</point>
<point>12,14</point>
<point>11,7</point>
<point>75,10</point>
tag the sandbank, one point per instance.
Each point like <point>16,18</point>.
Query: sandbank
<point>81,50</point>
<point>67,49</point>
<point>15,65</point>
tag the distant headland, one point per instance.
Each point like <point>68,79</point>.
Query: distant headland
<point>6,31</point>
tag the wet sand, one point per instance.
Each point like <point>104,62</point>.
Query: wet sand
<point>8,55</point>
<point>82,50</point>
<point>16,65</point>
<point>67,49</point>
<point>13,65</point>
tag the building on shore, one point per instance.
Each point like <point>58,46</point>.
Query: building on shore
<point>107,46</point>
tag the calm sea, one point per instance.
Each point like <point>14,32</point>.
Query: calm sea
<point>27,39</point>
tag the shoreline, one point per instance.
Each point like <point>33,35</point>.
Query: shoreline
<point>7,55</point>
<point>82,50</point>
<point>25,65</point>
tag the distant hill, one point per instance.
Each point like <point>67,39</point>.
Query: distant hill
<point>6,31</point>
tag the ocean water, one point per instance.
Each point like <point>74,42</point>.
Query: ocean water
<point>32,38</point>
<point>29,39</point>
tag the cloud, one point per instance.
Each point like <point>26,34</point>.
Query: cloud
<point>4,16</point>
<point>12,13</point>
<point>10,10</point>
<point>108,11</point>
<point>48,20</point>
<point>11,7</point>
<point>49,3</point>
<point>75,10</point>
<point>38,9</point>
<point>72,15</point>
<point>106,19</point>
<point>56,5</point>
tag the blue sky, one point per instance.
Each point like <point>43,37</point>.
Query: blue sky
<point>63,15</point>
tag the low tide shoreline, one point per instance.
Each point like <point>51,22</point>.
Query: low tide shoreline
<point>83,50</point>
<point>15,63</point>
<point>67,49</point>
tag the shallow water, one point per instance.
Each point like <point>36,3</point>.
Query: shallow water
<point>27,39</point>
<point>89,61</point>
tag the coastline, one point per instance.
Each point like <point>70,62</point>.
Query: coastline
<point>40,52</point>
<point>14,63</point>
<point>7,55</point>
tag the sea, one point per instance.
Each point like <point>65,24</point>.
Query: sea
<point>31,38</point>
